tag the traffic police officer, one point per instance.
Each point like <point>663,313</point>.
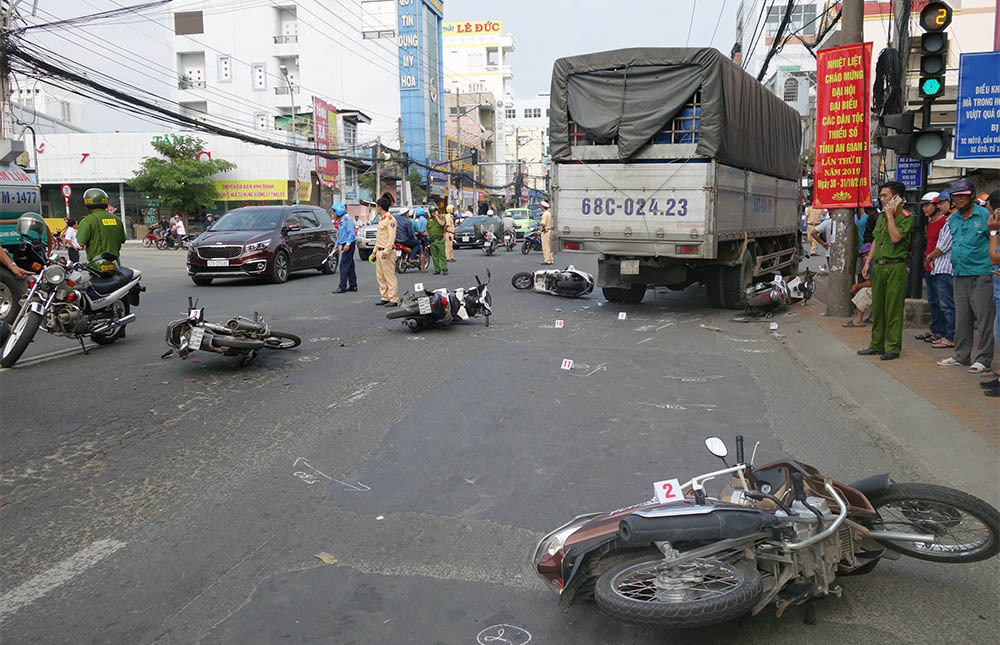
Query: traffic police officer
<point>449,233</point>
<point>546,226</point>
<point>100,231</point>
<point>889,251</point>
<point>385,255</point>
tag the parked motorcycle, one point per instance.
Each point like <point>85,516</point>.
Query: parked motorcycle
<point>445,307</point>
<point>403,260</point>
<point>509,240</point>
<point>532,241</point>
<point>569,282</point>
<point>239,336</point>
<point>490,242</point>
<point>777,534</point>
<point>764,298</point>
<point>72,300</point>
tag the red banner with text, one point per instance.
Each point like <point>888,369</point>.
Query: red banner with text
<point>842,166</point>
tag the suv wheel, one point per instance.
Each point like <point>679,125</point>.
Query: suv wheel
<point>279,267</point>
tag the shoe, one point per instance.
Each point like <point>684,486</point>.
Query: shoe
<point>340,291</point>
<point>941,343</point>
<point>977,368</point>
<point>445,272</point>
<point>452,260</point>
<point>868,352</point>
<point>993,391</point>
<point>889,356</point>
<point>988,384</point>
<point>436,272</point>
<point>948,362</point>
<point>925,336</point>
<point>354,288</point>
<point>391,304</point>
<point>381,303</point>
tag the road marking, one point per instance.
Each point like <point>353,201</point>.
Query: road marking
<point>48,356</point>
<point>355,396</point>
<point>63,572</point>
<point>679,406</point>
<point>311,479</point>
<point>644,341</point>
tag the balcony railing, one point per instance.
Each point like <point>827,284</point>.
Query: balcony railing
<point>186,84</point>
<point>283,89</point>
<point>281,40</point>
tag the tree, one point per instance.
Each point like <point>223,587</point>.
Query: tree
<point>414,178</point>
<point>180,179</point>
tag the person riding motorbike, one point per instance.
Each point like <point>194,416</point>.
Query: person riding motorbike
<point>508,223</point>
<point>404,233</point>
<point>100,231</point>
<point>420,231</point>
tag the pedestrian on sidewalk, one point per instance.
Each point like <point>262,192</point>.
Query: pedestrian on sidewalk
<point>546,230</point>
<point>973,284</point>
<point>449,233</point>
<point>69,236</point>
<point>939,285</point>
<point>435,232</point>
<point>935,221</point>
<point>824,229</point>
<point>888,254</point>
<point>385,255</point>
<point>347,238</point>
<point>813,218</point>
<point>992,386</point>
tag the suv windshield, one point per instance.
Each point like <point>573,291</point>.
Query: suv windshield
<point>472,221</point>
<point>249,219</point>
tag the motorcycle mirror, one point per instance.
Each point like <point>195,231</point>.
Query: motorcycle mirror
<point>717,447</point>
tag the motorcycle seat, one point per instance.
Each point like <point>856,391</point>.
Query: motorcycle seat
<point>107,284</point>
<point>399,246</point>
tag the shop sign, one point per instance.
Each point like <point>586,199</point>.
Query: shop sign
<point>251,190</point>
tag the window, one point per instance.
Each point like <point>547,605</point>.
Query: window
<point>188,22</point>
<point>510,113</point>
<point>453,110</point>
<point>259,76</point>
<point>260,121</point>
<point>225,69</point>
<point>378,19</point>
<point>532,113</point>
<point>350,134</point>
<point>308,219</point>
<point>801,15</point>
<point>791,90</point>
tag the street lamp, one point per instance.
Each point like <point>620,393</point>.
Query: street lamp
<point>291,96</point>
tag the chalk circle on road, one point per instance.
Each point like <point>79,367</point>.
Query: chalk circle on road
<point>501,634</point>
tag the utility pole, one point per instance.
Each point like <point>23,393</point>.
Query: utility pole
<point>458,178</point>
<point>406,161</point>
<point>6,17</point>
<point>378,174</point>
<point>842,251</point>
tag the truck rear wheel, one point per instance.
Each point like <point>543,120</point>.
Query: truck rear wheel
<point>735,280</point>
<point>631,296</point>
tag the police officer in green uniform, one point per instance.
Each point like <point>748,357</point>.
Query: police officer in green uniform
<point>100,231</point>
<point>888,253</point>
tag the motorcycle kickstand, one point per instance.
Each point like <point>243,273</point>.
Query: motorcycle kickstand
<point>809,612</point>
<point>82,346</point>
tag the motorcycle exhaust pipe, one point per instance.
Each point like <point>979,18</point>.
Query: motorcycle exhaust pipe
<point>902,537</point>
<point>242,324</point>
<point>121,322</point>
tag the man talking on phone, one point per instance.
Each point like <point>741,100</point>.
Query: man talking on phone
<point>888,254</point>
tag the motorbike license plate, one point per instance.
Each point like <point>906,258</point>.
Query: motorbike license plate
<point>194,342</point>
<point>218,263</point>
<point>424,305</point>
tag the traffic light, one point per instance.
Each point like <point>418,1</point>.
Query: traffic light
<point>930,144</point>
<point>934,19</point>
<point>903,125</point>
<point>475,156</point>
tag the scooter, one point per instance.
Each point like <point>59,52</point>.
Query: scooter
<point>444,307</point>
<point>779,534</point>
<point>764,298</point>
<point>170,242</point>
<point>532,241</point>
<point>239,336</point>
<point>509,240</point>
<point>569,282</point>
<point>490,242</point>
<point>403,260</point>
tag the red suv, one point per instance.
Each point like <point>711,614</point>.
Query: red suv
<point>264,241</point>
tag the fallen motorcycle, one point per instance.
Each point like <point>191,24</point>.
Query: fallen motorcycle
<point>764,298</point>
<point>569,282</point>
<point>443,307</point>
<point>72,300</point>
<point>239,336</point>
<point>778,534</point>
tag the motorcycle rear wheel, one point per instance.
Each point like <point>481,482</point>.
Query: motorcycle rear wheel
<point>522,281</point>
<point>20,337</point>
<point>118,310</point>
<point>968,528</point>
<point>162,244</point>
<point>710,592</point>
<point>146,243</point>
<point>401,264</point>
<point>282,340</point>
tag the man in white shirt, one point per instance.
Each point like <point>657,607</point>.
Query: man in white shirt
<point>72,246</point>
<point>177,228</point>
<point>826,228</point>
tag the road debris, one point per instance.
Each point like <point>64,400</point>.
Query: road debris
<point>327,558</point>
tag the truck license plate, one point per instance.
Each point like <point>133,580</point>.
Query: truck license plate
<point>218,263</point>
<point>424,305</point>
<point>630,267</point>
<point>194,342</point>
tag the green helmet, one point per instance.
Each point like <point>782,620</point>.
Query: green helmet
<point>95,198</point>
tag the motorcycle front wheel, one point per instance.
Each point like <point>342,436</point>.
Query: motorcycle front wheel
<point>695,594</point>
<point>146,243</point>
<point>522,281</point>
<point>281,340</point>
<point>20,337</point>
<point>524,248</point>
<point>966,528</point>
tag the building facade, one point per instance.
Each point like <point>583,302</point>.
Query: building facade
<point>527,135</point>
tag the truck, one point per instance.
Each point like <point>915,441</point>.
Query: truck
<point>676,167</point>
<point>19,194</point>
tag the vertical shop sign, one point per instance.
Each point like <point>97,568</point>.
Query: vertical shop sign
<point>325,135</point>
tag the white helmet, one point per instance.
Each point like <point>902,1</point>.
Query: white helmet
<point>489,212</point>
<point>545,204</point>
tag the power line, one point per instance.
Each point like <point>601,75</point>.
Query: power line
<point>757,34</point>
<point>777,38</point>
<point>718,22</point>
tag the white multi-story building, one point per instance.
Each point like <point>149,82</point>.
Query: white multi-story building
<point>475,61</point>
<point>45,108</point>
<point>527,133</point>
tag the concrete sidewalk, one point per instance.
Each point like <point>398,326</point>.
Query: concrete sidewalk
<point>938,414</point>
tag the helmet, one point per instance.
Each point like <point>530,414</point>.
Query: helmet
<point>339,209</point>
<point>929,197</point>
<point>95,198</point>
<point>943,196</point>
<point>421,212</point>
<point>451,208</point>
<point>433,207</point>
<point>544,204</point>
<point>489,212</point>
<point>962,187</point>
<point>32,227</point>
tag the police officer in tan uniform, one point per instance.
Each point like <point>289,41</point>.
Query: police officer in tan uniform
<point>546,226</point>
<point>385,254</point>
<point>449,233</point>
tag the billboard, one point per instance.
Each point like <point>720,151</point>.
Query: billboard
<point>261,190</point>
<point>325,135</point>
<point>977,125</point>
<point>472,28</point>
<point>842,164</point>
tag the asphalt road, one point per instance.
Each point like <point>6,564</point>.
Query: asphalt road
<point>158,500</point>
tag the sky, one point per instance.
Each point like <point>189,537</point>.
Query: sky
<point>544,30</point>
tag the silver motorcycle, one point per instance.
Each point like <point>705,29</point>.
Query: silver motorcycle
<point>239,336</point>
<point>73,300</point>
